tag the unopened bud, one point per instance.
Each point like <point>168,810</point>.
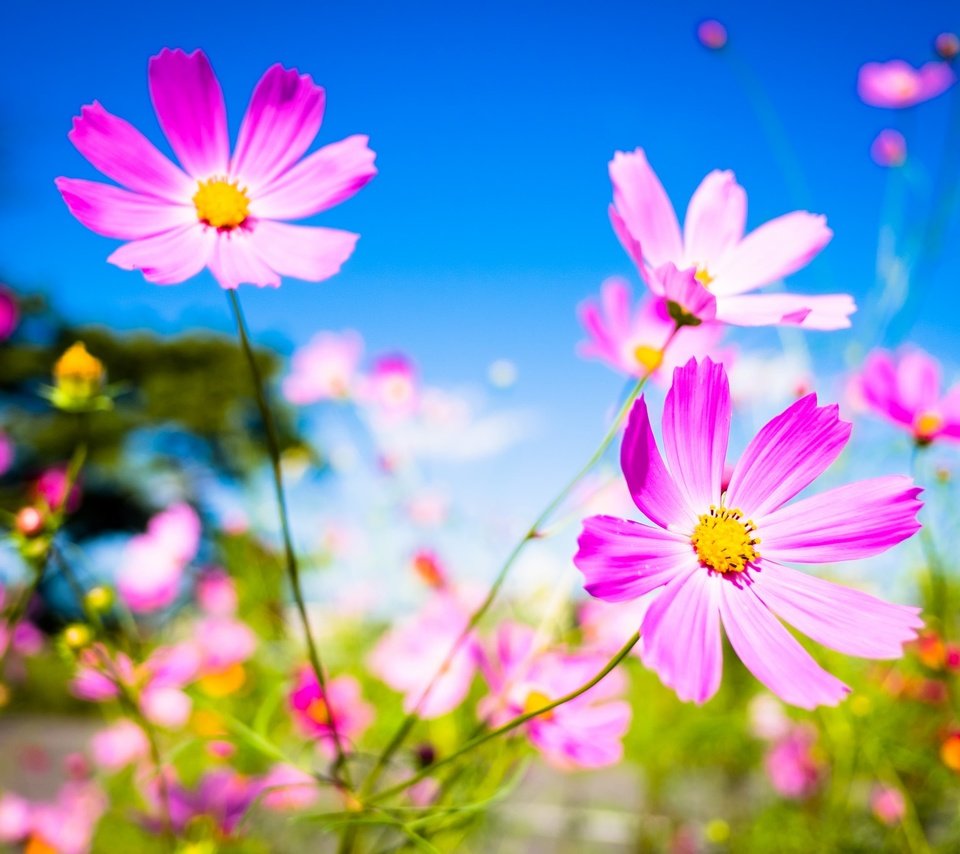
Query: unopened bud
<point>30,521</point>
<point>77,636</point>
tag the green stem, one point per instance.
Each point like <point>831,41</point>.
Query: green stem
<point>508,726</point>
<point>293,569</point>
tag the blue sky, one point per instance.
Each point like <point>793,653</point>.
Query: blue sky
<point>493,126</point>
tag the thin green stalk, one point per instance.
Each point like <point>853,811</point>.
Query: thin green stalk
<point>508,726</point>
<point>533,532</point>
<point>293,568</point>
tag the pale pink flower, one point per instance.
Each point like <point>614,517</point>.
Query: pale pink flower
<point>67,824</point>
<point>888,804</point>
<point>325,369</point>
<point>343,706</point>
<point>165,706</point>
<point>905,389</point>
<point>889,149</point>
<point>286,788</point>
<point>897,84</point>
<point>717,558</point>
<point>585,732</point>
<point>713,245</point>
<point>119,745</point>
<point>222,642</point>
<point>408,656</point>
<point>792,765</point>
<point>14,817</point>
<point>392,386</point>
<point>632,339</point>
<point>216,593</point>
<point>607,626</point>
<point>27,639</point>
<point>222,795</point>
<point>153,563</point>
<point>220,211</point>
<point>767,718</point>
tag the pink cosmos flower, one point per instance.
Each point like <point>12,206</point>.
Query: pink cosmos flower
<point>95,683</point>
<point>904,388</point>
<point>153,563</point>
<point>792,765</point>
<point>343,704</point>
<point>14,817</point>
<point>66,824</point>
<point>409,655</point>
<point>632,340</point>
<point>325,369</point>
<point>607,625</point>
<point>897,84</point>
<point>221,211</point>
<point>9,313</point>
<point>119,745</point>
<point>583,733</point>
<point>392,386</point>
<point>222,642</point>
<point>888,804</point>
<point>889,149</point>
<point>286,788</point>
<point>714,247</point>
<point>717,558</point>
<point>216,593</point>
<point>712,34</point>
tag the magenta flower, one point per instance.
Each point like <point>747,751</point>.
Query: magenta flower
<point>897,84</point>
<point>325,369</point>
<point>889,149</point>
<point>409,656</point>
<point>888,804</point>
<point>225,212</point>
<point>221,795</point>
<point>904,388</point>
<point>713,245</point>
<point>585,732</point>
<point>717,557</point>
<point>9,313</point>
<point>792,765</point>
<point>633,339</point>
<point>343,706</point>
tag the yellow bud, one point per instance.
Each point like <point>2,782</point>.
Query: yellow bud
<point>77,636</point>
<point>99,599</point>
<point>717,831</point>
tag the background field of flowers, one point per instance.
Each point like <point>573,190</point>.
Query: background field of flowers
<point>426,403</point>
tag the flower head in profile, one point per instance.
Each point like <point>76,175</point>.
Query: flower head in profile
<point>897,84</point>
<point>585,732</point>
<point>228,212</point>
<point>905,389</point>
<point>716,557</point>
<point>633,339</point>
<point>325,369</point>
<point>342,708</point>
<point>713,245</point>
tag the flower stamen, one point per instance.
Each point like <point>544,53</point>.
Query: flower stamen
<point>724,541</point>
<point>221,204</point>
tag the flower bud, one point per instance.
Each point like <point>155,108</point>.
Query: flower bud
<point>77,636</point>
<point>98,599</point>
<point>30,521</point>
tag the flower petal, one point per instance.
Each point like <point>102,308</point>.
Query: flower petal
<point>858,520</point>
<point>918,380</point>
<point>303,252</point>
<point>324,179</point>
<point>827,312</point>
<point>849,621</point>
<point>879,387</point>
<point>716,217</point>
<point>189,105</point>
<point>653,489</point>
<point>236,260</point>
<point>696,427</point>
<point>122,153</point>
<point>283,118</point>
<point>622,560</point>
<point>787,455</point>
<point>681,288</point>
<point>114,212</point>
<point>170,257</point>
<point>644,207</point>
<point>681,635</point>
<point>774,250</point>
<point>771,653</point>
<point>630,245</point>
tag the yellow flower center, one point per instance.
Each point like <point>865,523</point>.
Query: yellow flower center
<point>648,357</point>
<point>535,701</point>
<point>318,712</point>
<point>703,276</point>
<point>221,203</point>
<point>724,541</point>
<point>927,424</point>
<point>223,683</point>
